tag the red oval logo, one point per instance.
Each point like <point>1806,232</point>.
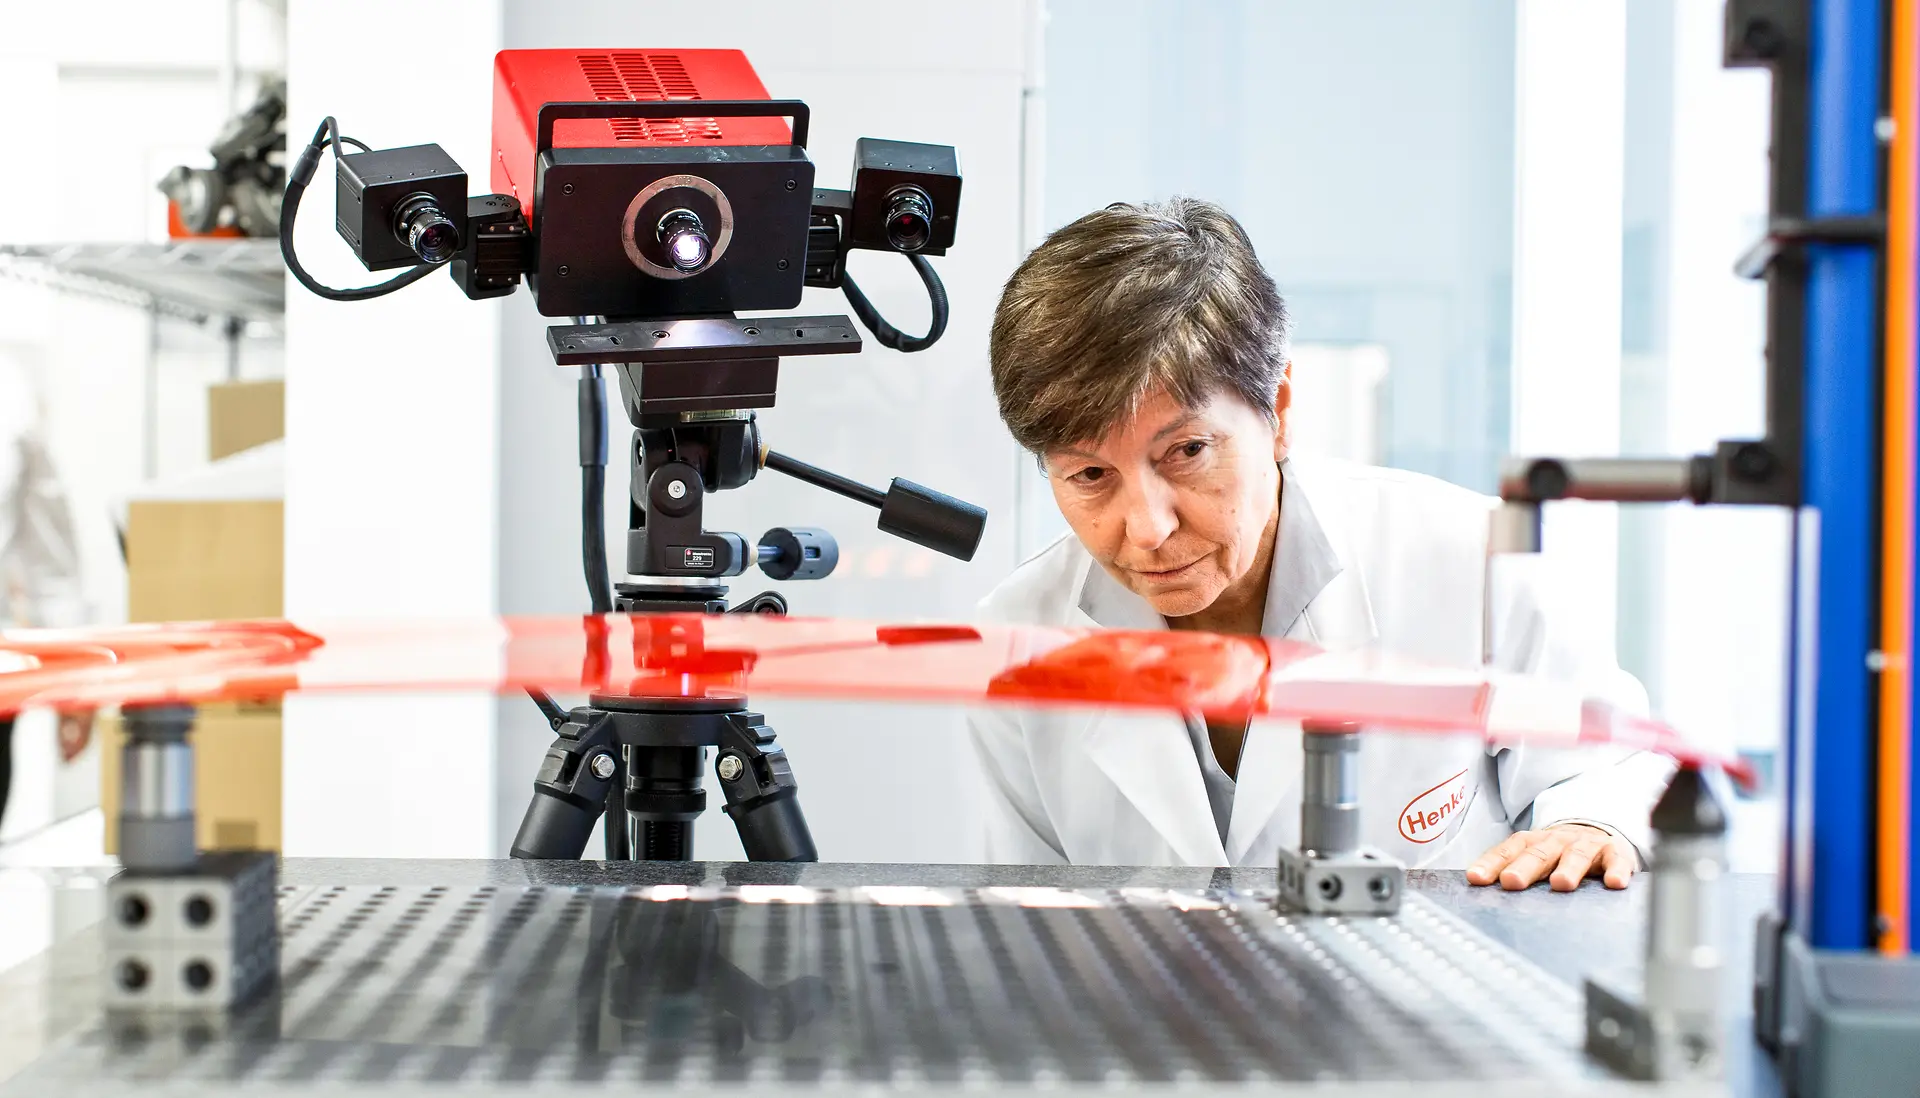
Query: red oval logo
<point>1426,816</point>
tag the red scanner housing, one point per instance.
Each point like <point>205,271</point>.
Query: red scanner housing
<point>599,196</point>
<point>525,80</point>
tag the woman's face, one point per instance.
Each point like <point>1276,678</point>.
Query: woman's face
<point>1174,502</point>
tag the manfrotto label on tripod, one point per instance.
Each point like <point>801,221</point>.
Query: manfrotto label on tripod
<point>694,557</point>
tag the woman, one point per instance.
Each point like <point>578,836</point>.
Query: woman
<point>1141,354</point>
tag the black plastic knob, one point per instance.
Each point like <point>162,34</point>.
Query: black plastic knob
<point>798,553</point>
<point>933,519</point>
<point>1688,807</point>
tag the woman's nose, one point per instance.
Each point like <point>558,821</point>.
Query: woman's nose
<point>1150,518</point>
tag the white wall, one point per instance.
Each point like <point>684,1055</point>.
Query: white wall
<point>1569,134</point>
<point>392,442</point>
<point>879,783</point>
<point>1367,148</point>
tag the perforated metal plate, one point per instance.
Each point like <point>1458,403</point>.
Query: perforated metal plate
<point>799,988</point>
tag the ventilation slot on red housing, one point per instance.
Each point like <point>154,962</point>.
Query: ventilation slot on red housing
<point>646,77</point>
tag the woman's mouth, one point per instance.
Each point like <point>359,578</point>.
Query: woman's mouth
<point>1170,575</point>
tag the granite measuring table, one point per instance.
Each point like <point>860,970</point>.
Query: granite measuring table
<point>510,977</point>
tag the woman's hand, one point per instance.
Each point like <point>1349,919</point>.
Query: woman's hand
<point>1570,852</point>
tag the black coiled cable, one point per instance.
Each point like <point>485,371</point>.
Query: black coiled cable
<point>886,334</point>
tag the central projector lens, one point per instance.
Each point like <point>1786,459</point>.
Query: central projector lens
<point>685,240</point>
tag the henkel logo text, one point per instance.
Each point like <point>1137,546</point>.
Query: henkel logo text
<point>1426,816</point>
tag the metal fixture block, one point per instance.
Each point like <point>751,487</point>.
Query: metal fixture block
<point>1356,882</point>
<point>202,939</point>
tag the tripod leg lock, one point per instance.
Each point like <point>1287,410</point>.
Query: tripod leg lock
<point>570,789</point>
<point>762,796</point>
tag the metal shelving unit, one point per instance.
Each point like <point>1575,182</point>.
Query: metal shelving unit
<point>236,285</point>
<point>200,281</point>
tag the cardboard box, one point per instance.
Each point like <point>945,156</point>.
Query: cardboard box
<point>193,560</point>
<point>244,414</point>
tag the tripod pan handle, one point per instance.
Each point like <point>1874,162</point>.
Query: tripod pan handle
<point>933,519</point>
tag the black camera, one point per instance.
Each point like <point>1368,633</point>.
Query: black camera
<point>669,230</point>
<point>648,227</point>
<point>401,207</point>
<point>906,196</point>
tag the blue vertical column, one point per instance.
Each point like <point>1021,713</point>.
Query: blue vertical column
<point>1841,478</point>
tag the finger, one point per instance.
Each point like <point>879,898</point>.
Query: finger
<point>1618,863</point>
<point>1534,863</point>
<point>1576,862</point>
<point>1486,868</point>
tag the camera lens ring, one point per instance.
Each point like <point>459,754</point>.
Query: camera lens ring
<point>632,235</point>
<point>909,218</point>
<point>425,229</point>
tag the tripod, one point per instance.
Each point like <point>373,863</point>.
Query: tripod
<point>641,760</point>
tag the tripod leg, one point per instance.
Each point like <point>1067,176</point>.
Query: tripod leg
<point>762,796</point>
<point>570,790</point>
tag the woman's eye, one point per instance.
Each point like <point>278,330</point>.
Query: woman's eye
<point>1190,449</point>
<point>1088,475</point>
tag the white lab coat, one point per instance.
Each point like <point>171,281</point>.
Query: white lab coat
<point>39,555</point>
<point>1364,556</point>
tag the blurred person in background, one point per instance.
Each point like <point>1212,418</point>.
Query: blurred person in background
<point>39,555</point>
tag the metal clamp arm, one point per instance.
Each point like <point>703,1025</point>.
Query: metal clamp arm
<point>1784,233</point>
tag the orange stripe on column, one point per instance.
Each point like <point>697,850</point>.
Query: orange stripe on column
<point>1892,894</point>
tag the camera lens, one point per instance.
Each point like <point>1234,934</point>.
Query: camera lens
<point>431,234</point>
<point>909,218</point>
<point>685,240</point>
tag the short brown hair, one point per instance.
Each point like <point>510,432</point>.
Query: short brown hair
<point>1126,300</point>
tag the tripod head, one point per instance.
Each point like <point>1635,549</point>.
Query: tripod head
<point>689,387</point>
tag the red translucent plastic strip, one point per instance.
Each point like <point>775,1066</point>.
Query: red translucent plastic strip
<point>679,656</point>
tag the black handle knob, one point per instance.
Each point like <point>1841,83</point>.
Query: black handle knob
<point>933,519</point>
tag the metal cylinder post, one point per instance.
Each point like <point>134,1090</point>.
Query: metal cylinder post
<point>1689,858</point>
<point>1683,955</point>
<point>1330,790</point>
<point>1515,528</point>
<point>156,788</point>
<point>664,797</point>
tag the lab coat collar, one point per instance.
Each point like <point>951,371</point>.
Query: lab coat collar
<point>1336,612</point>
<point>1313,594</point>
